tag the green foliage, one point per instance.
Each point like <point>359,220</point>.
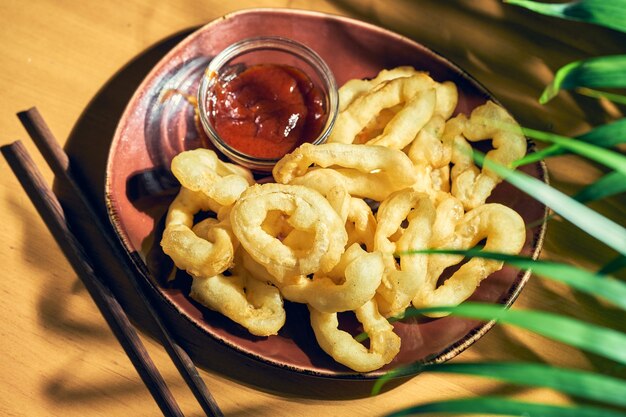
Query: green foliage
<point>607,393</point>
<point>581,384</point>
<point>608,13</point>
<point>602,341</point>
<point>598,153</point>
<point>596,284</point>
<point>606,136</point>
<point>605,71</point>
<point>501,406</point>
<point>596,225</point>
<point>611,184</point>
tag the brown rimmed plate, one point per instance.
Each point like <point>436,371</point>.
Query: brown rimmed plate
<point>159,122</point>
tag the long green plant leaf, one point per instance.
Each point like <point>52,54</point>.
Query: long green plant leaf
<point>506,407</point>
<point>594,152</point>
<point>582,384</point>
<point>591,283</point>
<point>606,136</point>
<point>611,184</point>
<point>592,338</point>
<point>615,98</point>
<point>605,71</point>
<point>611,14</point>
<point>596,225</point>
<point>614,266</point>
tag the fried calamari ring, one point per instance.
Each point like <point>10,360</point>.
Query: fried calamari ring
<point>201,170</point>
<point>504,231</point>
<point>420,96</point>
<point>361,224</point>
<point>373,186</point>
<point>357,215</point>
<point>359,169</point>
<point>429,148</point>
<point>348,286</point>
<point>256,305</point>
<point>359,112</point>
<point>488,121</point>
<point>401,282</point>
<point>357,87</point>
<point>366,159</point>
<point>447,99</point>
<point>384,344</point>
<point>199,256</point>
<point>449,212</point>
<point>431,152</point>
<point>306,211</point>
<point>406,123</point>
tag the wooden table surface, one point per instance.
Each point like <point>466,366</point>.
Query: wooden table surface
<point>58,357</point>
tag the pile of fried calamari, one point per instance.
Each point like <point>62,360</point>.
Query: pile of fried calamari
<point>312,237</point>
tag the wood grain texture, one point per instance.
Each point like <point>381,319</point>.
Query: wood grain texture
<point>58,356</point>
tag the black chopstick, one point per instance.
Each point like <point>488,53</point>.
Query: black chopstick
<point>52,213</point>
<point>58,161</point>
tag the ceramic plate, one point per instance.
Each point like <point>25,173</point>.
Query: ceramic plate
<point>159,123</point>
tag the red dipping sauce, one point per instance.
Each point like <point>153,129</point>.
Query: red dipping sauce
<point>267,110</point>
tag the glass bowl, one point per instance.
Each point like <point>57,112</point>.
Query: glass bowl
<point>224,111</point>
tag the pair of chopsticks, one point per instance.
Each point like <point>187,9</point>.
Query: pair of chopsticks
<point>50,209</point>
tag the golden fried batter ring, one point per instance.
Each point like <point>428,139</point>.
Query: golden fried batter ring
<point>357,87</point>
<point>306,211</point>
<point>339,200</point>
<point>431,152</point>
<point>357,216</point>
<point>362,170</point>
<point>488,121</point>
<point>256,305</point>
<point>348,286</point>
<point>384,343</point>
<point>201,170</point>
<point>404,126</point>
<point>504,232</point>
<point>361,224</point>
<point>420,97</point>
<point>356,116</point>
<point>199,256</point>
<point>401,282</point>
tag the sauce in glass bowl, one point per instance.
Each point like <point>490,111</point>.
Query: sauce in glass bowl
<point>261,98</point>
<point>267,110</point>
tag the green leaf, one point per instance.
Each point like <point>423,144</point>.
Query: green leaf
<point>586,385</point>
<point>613,266</point>
<point>615,98</point>
<point>502,406</point>
<point>604,71</point>
<point>531,158</point>
<point>591,283</point>
<point>606,136</point>
<point>592,338</point>
<point>611,184</point>
<point>596,225</point>
<point>611,14</point>
<point>594,152</point>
